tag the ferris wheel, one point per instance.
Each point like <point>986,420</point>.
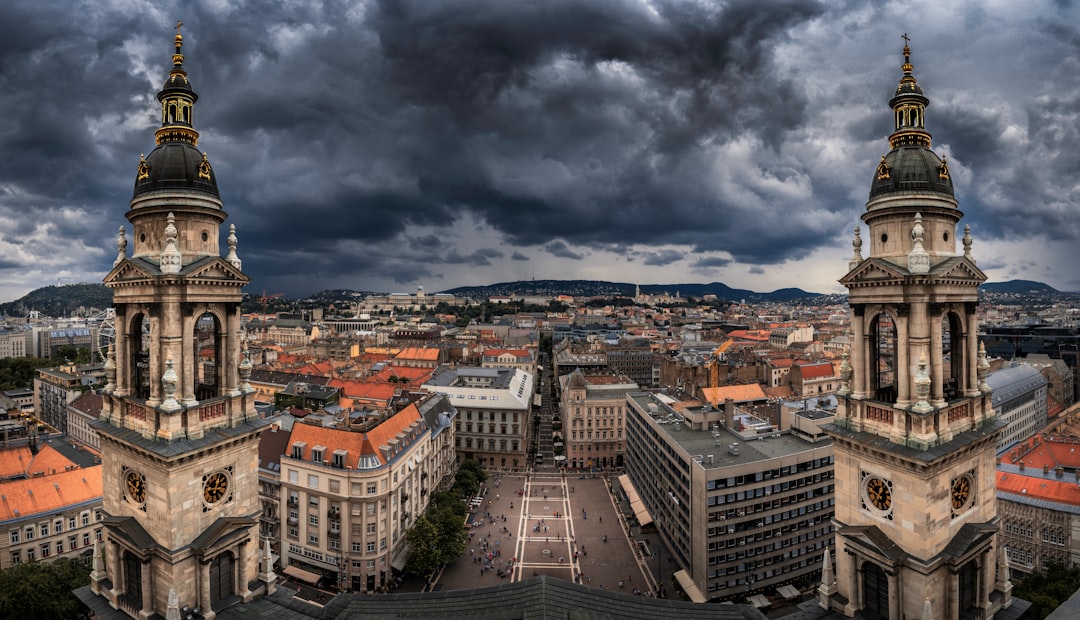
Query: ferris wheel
<point>106,324</point>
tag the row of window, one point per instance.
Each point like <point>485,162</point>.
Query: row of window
<point>57,527</point>
<point>46,548</point>
<point>491,416</point>
<point>468,441</point>
<point>502,430</point>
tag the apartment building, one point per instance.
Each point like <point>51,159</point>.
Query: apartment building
<point>494,406</point>
<point>1019,398</point>
<point>55,388</point>
<point>522,359</point>
<point>741,507</point>
<point>593,410</point>
<point>348,497</point>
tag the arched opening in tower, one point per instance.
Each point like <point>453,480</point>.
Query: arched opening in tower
<point>952,354</point>
<point>882,358</point>
<point>209,355</point>
<point>139,356</point>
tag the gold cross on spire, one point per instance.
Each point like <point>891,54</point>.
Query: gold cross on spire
<point>178,24</point>
<point>904,36</point>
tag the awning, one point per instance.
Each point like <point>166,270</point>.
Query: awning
<point>303,575</point>
<point>688,586</point>
<point>760,601</point>
<point>788,591</point>
<point>638,506</point>
<point>398,563</point>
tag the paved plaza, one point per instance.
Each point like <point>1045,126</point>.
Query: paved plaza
<point>546,524</point>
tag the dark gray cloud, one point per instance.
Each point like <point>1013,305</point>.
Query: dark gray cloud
<point>386,143</point>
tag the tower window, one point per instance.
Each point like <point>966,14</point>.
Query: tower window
<point>205,236</point>
<point>884,237</point>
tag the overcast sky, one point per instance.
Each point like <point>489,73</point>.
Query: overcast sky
<point>385,146</point>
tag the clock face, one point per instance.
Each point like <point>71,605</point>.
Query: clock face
<point>879,493</point>
<point>215,487</point>
<point>961,492</point>
<point>135,486</point>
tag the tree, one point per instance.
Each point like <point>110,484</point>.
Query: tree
<point>43,589</point>
<point>424,555</point>
<point>1047,590</point>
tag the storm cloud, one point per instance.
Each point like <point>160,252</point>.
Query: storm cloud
<point>377,145</point>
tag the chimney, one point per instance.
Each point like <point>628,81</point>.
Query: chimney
<point>1046,469</point>
<point>1059,471</point>
<point>1021,464</point>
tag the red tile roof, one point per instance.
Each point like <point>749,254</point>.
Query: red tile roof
<point>354,443</point>
<point>14,461</point>
<point>30,496</point>
<point>1037,486</point>
<point>49,461</point>
<point>816,371</point>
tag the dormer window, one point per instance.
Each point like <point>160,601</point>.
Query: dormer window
<point>298,450</point>
<point>339,459</point>
<point>317,454</point>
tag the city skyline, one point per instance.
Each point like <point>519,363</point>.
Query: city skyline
<point>384,147</point>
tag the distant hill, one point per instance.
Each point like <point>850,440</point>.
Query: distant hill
<point>1017,287</point>
<point>590,288</point>
<point>60,301</point>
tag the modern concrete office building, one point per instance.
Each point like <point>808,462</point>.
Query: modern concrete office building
<point>742,506</point>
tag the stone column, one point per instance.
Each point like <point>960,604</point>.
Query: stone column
<point>894,594</point>
<point>971,357</point>
<point>937,359</point>
<point>242,571</point>
<point>146,585</point>
<point>122,353</point>
<point>858,352</point>
<point>903,363</point>
<point>231,366</point>
<point>987,574</point>
<point>156,361</point>
<point>189,363</point>
<point>204,590</point>
<point>115,571</point>
<point>954,594</point>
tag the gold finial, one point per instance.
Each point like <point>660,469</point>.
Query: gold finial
<point>907,53</point>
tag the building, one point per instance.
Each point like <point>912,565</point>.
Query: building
<point>593,410</point>
<point>1020,400</point>
<point>915,433</point>
<point>81,414</point>
<point>1038,491</point>
<point>350,496</point>
<point>14,343</point>
<point>521,359</point>
<point>56,388</point>
<point>493,405</point>
<point>179,448</point>
<point>634,358</point>
<point>813,378</point>
<point>1059,377</point>
<point>741,507</point>
<point>50,341</point>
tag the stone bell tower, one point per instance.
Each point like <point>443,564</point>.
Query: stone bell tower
<point>179,432</point>
<point>915,433</point>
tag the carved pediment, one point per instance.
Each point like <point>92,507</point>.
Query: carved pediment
<point>874,271</point>
<point>959,268</point>
<point>215,268</point>
<point>128,270</point>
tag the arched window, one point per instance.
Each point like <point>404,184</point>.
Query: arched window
<point>209,357</point>
<point>138,378</point>
<point>882,358</point>
<point>953,350</point>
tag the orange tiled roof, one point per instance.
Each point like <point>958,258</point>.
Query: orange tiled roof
<point>782,391</point>
<point>1038,487</point>
<point>49,461</point>
<point>418,353</point>
<point>365,390</point>
<point>30,496</point>
<point>411,375</point>
<point>355,444</point>
<point>739,393</point>
<point>14,461</point>
<point>816,371</point>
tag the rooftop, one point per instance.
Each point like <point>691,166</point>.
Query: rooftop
<point>718,441</point>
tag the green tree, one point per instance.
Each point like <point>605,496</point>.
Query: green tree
<point>424,553</point>
<point>43,589</point>
<point>1047,590</point>
<point>451,531</point>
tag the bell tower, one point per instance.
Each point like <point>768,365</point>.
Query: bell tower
<point>915,433</point>
<point>179,431</point>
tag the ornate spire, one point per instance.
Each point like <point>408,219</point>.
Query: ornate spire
<point>177,101</point>
<point>856,257</point>
<point>967,244</point>
<point>170,255</point>
<point>121,247</point>
<point>918,258</point>
<point>909,107</point>
<point>233,259</point>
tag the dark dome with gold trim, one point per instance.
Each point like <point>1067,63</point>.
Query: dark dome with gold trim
<point>911,166</point>
<point>176,163</point>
